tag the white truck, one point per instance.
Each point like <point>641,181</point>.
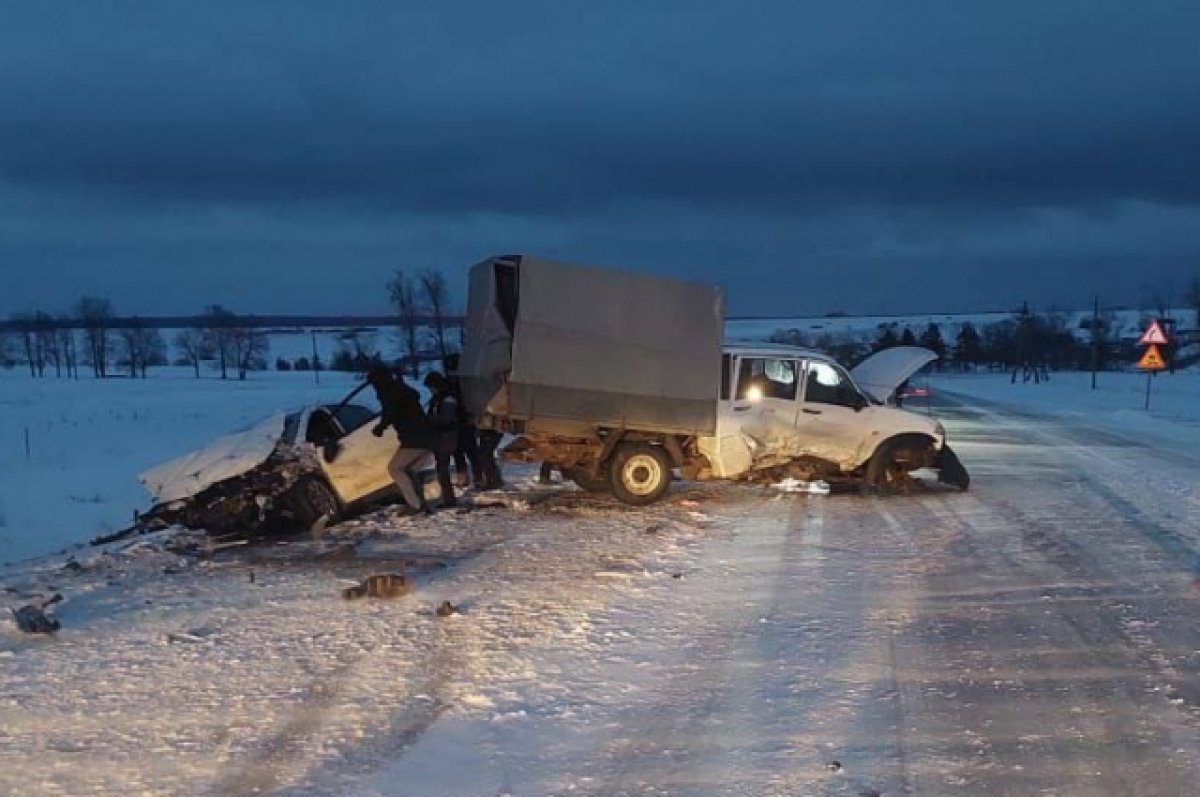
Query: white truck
<point>622,379</point>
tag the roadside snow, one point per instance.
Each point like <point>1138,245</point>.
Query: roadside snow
<point>1116,405</point>
<point>247,673</point>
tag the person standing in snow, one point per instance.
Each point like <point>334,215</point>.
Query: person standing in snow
<point>402,411</point>
<point>443,415</point>
<point>466,452</point>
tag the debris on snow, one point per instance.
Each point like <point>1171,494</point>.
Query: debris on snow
<point>446,608</point>
<point>793,485</point>
<point>33,619</point>
<point>382,585</point>
<point>191,636</point>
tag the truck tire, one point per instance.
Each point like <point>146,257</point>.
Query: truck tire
<point>889,466</point>
<point>583,478</point>
<point>313,503</point>
<point>640,473</point>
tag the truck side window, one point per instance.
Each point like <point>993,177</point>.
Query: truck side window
<point>760,377</point>
<point>826,385</point>
<point>726,373</point>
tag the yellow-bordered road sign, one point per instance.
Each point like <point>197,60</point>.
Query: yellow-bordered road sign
<point>1152,360</point>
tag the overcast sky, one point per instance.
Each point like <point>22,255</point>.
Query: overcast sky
<point>862,156</point>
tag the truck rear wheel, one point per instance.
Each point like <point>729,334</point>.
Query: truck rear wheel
<point>582,476</point>
<point>641,473</point>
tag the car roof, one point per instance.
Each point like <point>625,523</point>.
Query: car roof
<point>750,347</point>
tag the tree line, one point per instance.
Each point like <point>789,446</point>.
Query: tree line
<point>92,335</point>
<point>1026,340</point>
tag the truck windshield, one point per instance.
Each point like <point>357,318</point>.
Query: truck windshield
<point>828,384</point>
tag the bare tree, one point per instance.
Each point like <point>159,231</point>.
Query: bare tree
<point>25,331</point>
<point>143,346</point>
<point>433,286</point>
<point>193,346</point>
<point>1191,296</point>
<point>47,343</point>
<point>96,315</point>
<point>408,315</point>
<point>218,327</point>
<point>64,334</point>
<point>250,347</point>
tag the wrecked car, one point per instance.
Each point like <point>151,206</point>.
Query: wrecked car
<point>295,470</point>
<point>620,379</point>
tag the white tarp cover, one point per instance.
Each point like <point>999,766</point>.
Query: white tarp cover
<point>226,457</point>
<point>881,373</point>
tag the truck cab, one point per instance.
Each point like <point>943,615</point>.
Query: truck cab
<point>792,409</point>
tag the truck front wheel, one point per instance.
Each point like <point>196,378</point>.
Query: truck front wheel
<point>641,473</point>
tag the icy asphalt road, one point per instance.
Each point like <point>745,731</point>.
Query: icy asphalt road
<point>1034,636</point>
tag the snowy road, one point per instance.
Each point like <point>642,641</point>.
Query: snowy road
<point>1034,636</point>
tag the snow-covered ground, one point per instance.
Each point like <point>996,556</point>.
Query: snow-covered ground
<point>1036,635</point>
<point>89,439</point>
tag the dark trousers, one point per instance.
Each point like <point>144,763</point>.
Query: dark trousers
<point>489,471</point>
<point>442,454</point>
<point>467,453</point>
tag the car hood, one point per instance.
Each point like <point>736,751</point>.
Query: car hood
<point>224,458</point>
<point>881,373</point>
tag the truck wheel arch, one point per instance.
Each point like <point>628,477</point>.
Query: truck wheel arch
<point>910,440</point>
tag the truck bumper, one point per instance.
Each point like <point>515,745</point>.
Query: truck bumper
<point>950,469</point>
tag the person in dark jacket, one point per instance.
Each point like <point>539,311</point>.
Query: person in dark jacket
<point>402,411</point>
<point>442,410</point>
<point>466,453</point>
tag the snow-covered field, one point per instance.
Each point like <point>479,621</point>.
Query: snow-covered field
<point>89,439</point>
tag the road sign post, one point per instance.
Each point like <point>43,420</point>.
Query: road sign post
<point>1152,360</point>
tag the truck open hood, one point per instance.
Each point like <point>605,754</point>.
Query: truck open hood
<point>884,371</point>
<point>224,458</point>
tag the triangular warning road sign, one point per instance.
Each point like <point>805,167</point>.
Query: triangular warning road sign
<point>1152,360</point>
<point>1153,336</point>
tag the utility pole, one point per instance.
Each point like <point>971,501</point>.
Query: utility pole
<point>1095,338</point>
<point>316,364</point>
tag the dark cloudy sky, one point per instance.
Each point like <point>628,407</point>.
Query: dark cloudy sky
<point>867,156</point>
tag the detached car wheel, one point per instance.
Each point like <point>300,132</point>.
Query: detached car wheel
<point>313,502</point>
<point>640,473</point>
<point>583,478</point>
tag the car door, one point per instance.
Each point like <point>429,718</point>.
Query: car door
<point>833,420</point>
<point>756,417</point>
<point>359,468</point>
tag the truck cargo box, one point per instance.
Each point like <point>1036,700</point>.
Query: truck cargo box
<point>558,346</point>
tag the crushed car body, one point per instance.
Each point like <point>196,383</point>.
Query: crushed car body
<point>293,471</point>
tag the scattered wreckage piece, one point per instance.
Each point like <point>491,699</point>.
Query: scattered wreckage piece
<point>33,619</point>
<point>382,585</point>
